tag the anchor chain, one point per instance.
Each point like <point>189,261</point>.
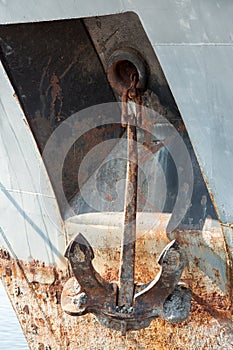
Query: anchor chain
<point>127,305</point>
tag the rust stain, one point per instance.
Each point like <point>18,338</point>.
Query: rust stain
<point>16,99</point>
<point>230,260</point>
<point>226,245</point>
<point>46,326</point>
<point>57,97</point>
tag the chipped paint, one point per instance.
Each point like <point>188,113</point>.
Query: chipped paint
<point>35,287</point>
<point>36,299</point>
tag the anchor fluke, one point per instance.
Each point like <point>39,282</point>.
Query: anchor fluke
<point>84,247</point>
<point>172,261</point>
<point>87,291</point>
<point>127,306</point>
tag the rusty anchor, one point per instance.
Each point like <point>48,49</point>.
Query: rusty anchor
<point>127,305</point>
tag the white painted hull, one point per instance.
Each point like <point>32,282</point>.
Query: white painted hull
<point>193,42</point>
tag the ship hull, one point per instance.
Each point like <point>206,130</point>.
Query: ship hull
<point>55,62</point>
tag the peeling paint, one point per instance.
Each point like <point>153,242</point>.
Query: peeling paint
<point>35,290</point>
<point>35,287</point>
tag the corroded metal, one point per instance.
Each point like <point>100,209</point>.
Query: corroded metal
<point>129,229</point>
<point>38,305</point>
<point>126,287</point>
<point>164,297</point>
<point>129,307</point>
<point>120,66</point>
<point>35,287</point>
<point>88,290</point>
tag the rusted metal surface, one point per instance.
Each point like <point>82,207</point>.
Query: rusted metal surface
<point>56,93</point>
<point>126,290</point>
<point>126,285</point>
<point>130,307</point>
<point>22,198</point>
<point>120,66</point>
<point>54,77</point>
<point>35,288</point>
<point>227,230</point>
<point>93,290</point>
<point>209,325</point>
<point>122,36</point>
<point>88,292</point>
<point>112,33</point>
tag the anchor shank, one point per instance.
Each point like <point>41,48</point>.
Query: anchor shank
<point>126,290</point>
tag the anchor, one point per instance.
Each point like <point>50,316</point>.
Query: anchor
<point>127,305</point>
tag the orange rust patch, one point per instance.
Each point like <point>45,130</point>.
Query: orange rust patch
<point>208,326</point>
<point>56,94</point>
